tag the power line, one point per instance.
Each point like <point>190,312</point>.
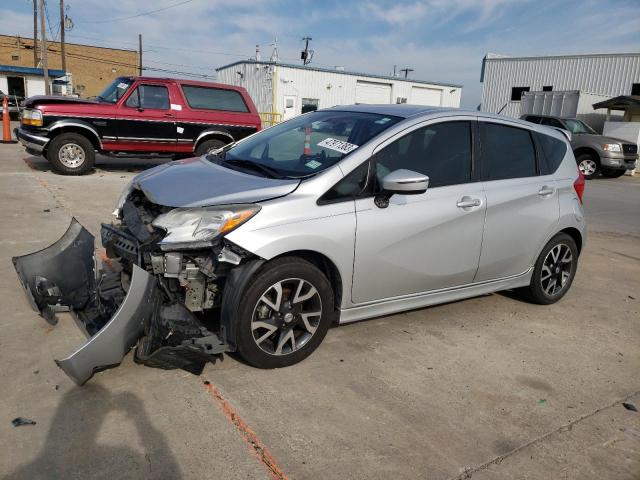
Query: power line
<point>141,14</point>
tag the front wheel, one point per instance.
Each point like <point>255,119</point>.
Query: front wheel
<point>588,165</point>
<point>71,154</point>
<point>286,311</point>
<point>554,271</point>
<point>611,173</point>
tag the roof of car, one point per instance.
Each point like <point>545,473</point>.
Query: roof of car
<point>403,110</point>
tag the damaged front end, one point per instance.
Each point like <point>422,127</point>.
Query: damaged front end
<point>145,293</point>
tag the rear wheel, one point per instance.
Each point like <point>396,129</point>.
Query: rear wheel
<point>286,311</point>
<point>611,173</point>
<point>209,146</point>
<point>588,164</point>
<point>554,270</point>
<point>71,154</point>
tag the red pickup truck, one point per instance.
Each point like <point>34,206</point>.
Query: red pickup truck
<point>136,117</point>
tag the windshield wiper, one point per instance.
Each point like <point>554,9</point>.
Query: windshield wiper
<point>270,172</point>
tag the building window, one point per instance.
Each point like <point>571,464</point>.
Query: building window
<point>15,58</point>
<point>635,89</point>
<point>516,93</point>
<point>547,88</point>
<point>309,105</point>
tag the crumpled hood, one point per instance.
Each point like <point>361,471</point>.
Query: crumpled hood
<point>197,182</point>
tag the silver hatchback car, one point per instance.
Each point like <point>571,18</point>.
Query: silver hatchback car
<point>335,216</point>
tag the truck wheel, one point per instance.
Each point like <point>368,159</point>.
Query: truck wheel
<point>611,173</point>
<point>208,146</point>
<point>286,311</point>
<point>71,154</point>
<point>588,164</point>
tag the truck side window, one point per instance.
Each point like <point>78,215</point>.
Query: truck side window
<point>214,99</point>
<point>154,97</point>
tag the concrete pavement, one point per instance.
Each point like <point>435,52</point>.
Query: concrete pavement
<point>490,387</point>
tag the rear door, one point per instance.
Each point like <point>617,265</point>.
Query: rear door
<point>425,242</point>
<point>522,205</point>
<point>146,120</point>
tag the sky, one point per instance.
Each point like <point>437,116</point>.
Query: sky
<point>441,40</point>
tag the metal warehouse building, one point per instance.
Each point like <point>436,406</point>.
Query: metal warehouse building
<point>281,91</point>
<point>598,77</point>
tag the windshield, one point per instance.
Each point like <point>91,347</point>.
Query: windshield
<point>307,144</point>
<point>115,90</point>
<point>576,126</point>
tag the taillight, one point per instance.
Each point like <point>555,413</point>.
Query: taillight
<point>578,185</point>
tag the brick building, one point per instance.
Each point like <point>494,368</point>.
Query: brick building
<point>92,68</point>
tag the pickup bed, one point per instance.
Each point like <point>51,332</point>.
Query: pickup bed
<point>136,117</point>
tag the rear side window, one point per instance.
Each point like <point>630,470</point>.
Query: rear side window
<point>214,99</point>
<point>154,97</point>
<point>553,151</point>
<point>552,122</point>
<point>507,152</point>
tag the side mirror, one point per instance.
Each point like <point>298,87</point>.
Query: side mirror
<point>405,182</point>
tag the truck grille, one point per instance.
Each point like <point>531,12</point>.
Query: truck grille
<point>629,148</point>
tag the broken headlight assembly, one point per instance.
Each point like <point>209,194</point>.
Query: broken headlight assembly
<point>189,228</point>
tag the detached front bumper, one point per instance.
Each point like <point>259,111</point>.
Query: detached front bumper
<point>35,144</point>
<point>113,308</point>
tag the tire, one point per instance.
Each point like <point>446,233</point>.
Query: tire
<point>209,145</point>
<point>265,335</point>
<point>611,173</point>
<point>589,165</point>
<point>540,290</point>
<point>71,154</point>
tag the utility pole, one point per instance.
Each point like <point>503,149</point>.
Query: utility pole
<point>395,74</point>
<point>140,54</point>
<point>306,55</point>
<point>45,66</point>
<point>406,71</point>
<point>35,33</point>
<point>63,58</point>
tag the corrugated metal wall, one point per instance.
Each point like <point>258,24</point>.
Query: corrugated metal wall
<point>330,88</point>
<point>609,75</point>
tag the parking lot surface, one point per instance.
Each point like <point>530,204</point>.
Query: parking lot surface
<point>488,388</point>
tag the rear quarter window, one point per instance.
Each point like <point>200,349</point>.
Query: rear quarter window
<point>207,98</point>
<point>551,152</point>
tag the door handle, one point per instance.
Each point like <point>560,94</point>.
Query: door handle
<point>546,191</point>
<point>168,114</point>
<point>468,202</point>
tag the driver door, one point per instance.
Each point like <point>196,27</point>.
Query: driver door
<point>424,242</point>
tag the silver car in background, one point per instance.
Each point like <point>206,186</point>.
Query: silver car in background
<point>335,216</point>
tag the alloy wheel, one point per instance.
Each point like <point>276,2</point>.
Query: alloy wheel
<point>71,155</point>
<point>556,269</point>
<point>588,167</point>
<point>286,316</point>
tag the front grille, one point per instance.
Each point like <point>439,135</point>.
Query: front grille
<point>629,148</point>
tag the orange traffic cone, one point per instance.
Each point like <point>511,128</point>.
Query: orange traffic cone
<point>6,125</point>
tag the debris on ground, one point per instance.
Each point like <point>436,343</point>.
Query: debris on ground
<point>630,406</point>
<point>542,401</point>
<point>20,421</point>
<point>46,210</point>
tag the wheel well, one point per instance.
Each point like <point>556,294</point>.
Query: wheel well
<point>576,235</point>
<point>80,131</point>
<point>326,266</point>
<point>214,136</point>
<point>582,150</point>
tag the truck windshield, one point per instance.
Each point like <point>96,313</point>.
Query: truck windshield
<point>576,126</point>
<point>115,90</point>
<point>307,144</point>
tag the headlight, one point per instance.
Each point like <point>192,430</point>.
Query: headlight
<point>31,116</point>
<point>123,198</point>
<point>197,227</point>
<point>612,147</point>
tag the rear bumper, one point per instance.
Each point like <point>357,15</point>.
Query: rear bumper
<point>113,308</point>
<point>33,143</point>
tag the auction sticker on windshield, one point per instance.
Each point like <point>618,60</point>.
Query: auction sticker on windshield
<point>337,145</point>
